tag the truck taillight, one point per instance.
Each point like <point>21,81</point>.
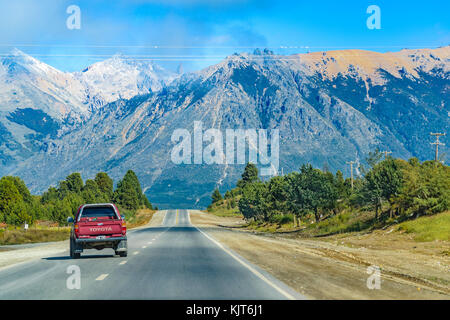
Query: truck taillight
<point>124,227</point>
<point>76,228</point>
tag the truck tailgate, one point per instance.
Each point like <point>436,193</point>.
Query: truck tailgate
<point>97,228</point>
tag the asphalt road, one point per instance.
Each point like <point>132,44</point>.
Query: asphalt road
<point>173,261</point>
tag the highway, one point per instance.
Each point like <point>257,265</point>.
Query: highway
<point>175,260</point>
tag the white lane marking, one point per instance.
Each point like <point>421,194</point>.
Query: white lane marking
<point>189,217</point>
<point>143,247</point>
<point>149,242</point>
<point>154,239</point>
<point>101,277</point>
<point>249,267</point>
<point>123,262</point>
<point>136,252</point>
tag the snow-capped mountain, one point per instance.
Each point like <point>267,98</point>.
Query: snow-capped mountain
<point>39,104</point>
<point>25,80</point>
<point>330,107</point>
<point>123,78</point>
<point>36,102</point>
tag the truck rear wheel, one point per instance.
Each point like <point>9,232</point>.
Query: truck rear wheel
<point>73,254</point>
<point>123,253</point>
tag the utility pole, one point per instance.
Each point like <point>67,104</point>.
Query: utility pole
<point>386,153</point>
<point>437,143</point>
<point>351,171</point>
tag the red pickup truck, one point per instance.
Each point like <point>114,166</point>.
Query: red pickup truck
<point>98,226</point>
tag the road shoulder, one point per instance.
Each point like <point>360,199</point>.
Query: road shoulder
<point>14,257</point>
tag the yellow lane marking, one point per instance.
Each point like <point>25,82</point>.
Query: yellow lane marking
<point>101,277</point>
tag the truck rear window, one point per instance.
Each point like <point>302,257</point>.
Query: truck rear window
<point>95,212</point>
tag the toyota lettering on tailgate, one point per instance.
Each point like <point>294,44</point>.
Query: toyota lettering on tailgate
<point>102,229</point>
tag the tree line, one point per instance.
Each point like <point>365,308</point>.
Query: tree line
<point>18,205</point>
<point>391,188</point>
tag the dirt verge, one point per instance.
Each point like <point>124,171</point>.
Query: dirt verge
<point>336,267</point>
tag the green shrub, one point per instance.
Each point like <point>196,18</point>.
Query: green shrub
<point>282,218</point>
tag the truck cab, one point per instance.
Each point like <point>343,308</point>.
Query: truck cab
<point>98,226</point>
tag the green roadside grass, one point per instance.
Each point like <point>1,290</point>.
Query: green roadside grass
<point>423,229</point>
<point>140,218</point>
<point>222,210</point>
<point>428,228</point>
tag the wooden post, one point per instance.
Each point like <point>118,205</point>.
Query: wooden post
<point>437,143</point>
<point>351,171</point>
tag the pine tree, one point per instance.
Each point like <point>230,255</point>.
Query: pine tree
<point>126,196</point>
<point>216,196</point>
<point>12,206</point>
<point>250,175</point>
<point>105,184</point>
<point>131,179</point>
<point>74,182</point>
<point>91,193</point>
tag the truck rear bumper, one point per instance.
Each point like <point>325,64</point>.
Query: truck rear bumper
<point>91,240</point>
<point>119,244</point>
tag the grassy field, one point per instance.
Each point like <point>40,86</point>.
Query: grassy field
<point>431,228</point>
<point>142,217</point>
<point>221,209</point>
<point>427,228</point>
<point>33,235</point>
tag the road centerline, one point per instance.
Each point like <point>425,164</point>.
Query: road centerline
<point>102,277</point>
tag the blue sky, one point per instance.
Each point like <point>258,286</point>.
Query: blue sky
<point>198,33</point>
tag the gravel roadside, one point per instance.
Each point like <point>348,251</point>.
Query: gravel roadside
<point>333,270</point>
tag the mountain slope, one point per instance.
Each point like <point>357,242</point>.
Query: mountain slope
<point>328,111</point>
<point>36,101</point>
<point>39,103</point>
